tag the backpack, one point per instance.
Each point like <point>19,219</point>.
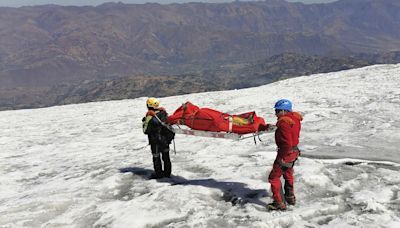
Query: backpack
<point>167,133</point>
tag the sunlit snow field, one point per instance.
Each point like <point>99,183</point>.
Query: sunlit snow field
<point>87,165</point>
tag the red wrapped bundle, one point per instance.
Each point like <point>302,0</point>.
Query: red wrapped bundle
<point>207,119</point>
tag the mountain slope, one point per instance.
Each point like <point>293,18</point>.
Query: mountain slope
<point>46,45</point>
<point>234,76</point>
<point>87,165</point>
<point>222,78</point>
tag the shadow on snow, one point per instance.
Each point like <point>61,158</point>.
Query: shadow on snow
<point>235,192</point>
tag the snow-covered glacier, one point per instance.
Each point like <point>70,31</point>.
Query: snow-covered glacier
<point>86,165</point>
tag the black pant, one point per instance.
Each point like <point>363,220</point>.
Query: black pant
<point>158,151</point>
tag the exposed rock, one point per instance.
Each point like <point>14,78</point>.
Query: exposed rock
<point>48,45</point>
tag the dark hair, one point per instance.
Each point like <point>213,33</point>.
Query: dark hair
<point>151,108</point>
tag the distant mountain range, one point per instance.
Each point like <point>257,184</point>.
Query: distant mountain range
<point>48,45</point>
<point>226,77</point>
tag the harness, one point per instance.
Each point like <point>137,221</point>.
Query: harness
<point>287,165</point>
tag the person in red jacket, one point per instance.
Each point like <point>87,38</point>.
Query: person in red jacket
<point>287,138</point>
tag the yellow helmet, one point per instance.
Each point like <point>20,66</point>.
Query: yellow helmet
<point>152,102</point>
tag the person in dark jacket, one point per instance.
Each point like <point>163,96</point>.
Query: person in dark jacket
<point>286,138</point>
<point>159,135</point>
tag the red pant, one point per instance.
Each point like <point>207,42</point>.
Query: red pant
<point>275,181</point>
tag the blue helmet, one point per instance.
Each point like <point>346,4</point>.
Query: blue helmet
<point>283,104</point>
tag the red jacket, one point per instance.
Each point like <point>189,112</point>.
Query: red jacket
<point>287,135</point>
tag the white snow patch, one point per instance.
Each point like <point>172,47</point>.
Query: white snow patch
<point>87,165</point>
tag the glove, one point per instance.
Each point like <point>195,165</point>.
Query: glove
<point>263,127</point>
<point>150,113</point>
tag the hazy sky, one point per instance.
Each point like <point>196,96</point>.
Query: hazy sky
<point>17,3</point>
